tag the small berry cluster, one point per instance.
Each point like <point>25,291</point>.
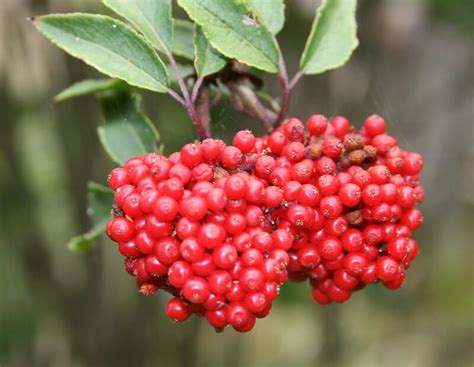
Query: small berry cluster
<point>221,227</point>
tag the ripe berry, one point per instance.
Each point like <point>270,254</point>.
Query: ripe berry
<point>244,140</point>
<point>120,230</point>
<point>387,268</point>
<point>220,282</point>
<point>196,290</point>
<point>177,310</point>
<point>350,194</point>
<point>225,256</point>
<point>374,125</point>
<point>316,124</point>
<point>211,235</point>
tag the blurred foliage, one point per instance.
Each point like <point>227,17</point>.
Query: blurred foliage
<point>458,13</point>
<point>61,309</point>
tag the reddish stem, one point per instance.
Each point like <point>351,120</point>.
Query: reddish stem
<point>285,86</point>
<point>203,133</point>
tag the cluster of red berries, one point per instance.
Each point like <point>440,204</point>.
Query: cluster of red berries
<point>221,227</point>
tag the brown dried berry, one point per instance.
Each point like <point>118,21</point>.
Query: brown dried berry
<point>314,151</point>
<point>353,142</point>
<point>355,217</point>
<point>117,211</point>
<point>357,156</point>
<point>371,151</point>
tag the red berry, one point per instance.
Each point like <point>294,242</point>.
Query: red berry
<point>120,230</point>
<point>196,290</point>
<point>374,125</point>
<point>316,124</point>
<point>244,140</point>
<point>387,268</point>
<point>177,310</point>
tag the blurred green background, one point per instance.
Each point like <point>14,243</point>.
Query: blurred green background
<point>414,67</point>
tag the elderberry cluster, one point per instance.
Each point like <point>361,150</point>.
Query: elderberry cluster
<point>221,227</point>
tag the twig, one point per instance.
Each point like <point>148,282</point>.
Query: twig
<point>196,87</point>
<point>176,96</point>
<point>246,101</point>
<point>203,108</point>
<point>202,131</point>
<point>285,86</point>
<point>296,79</point>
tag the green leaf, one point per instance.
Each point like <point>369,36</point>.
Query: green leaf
<point>207,60</point>
<point>269,12</point>
<point>108,45</point>
<point>333,37</point>
<point>230,29</point>
<point>100,200</point>
<point>151,17</point>
<point>90,86</point>
<point>127,131</point>
<point>183,39</point>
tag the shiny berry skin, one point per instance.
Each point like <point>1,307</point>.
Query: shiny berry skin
<point>387,268</point>
<point>211,235</point>
<point>344,280</point>
<point>191,155</point>
<point>299,215</point>
<point>186,228</point>
<point>255,302</point>
<point>191,250</point>
<point>204,266</point>
<point>272,197</point>
<point>196,290</point>
<point>144,242</point>
<point>120,230</point>
<point>220,282</point>
<point>251,279</point>
<point>331,206</point>
<point>355,263</point>
<point>178,273</point>
<point>320,297</point>
<point>350,194</point>
<point>341,125</point>
<point>154,267</point>
<point>308,256</point>
<point>231,157</point>
<point>177,310</point>
<point>235,187</point>
<point>352,240</point>
<point>293,129</point>
<point>167,250</point>
<point>412,164</point>
<point>244,140</point>
<point>374,125</point>
<point>316,125</point>
<point>194,207</point>
<point>282,239</point>
<point>237,315</point>
<point>412,219</point>
<point>166,209</point>
<point>225,256</point>
<point>216,318</point>
<point>328,185</point>
<point>330,248</point>
<point>337,294</point>
<point>118,177</point>
<point>129,249</point>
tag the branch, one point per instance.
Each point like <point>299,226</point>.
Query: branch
<point>286,90</point>
<point>245,100</point>
<point>296,79</point>
<point>196,87</point>
<point>202,131</point>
